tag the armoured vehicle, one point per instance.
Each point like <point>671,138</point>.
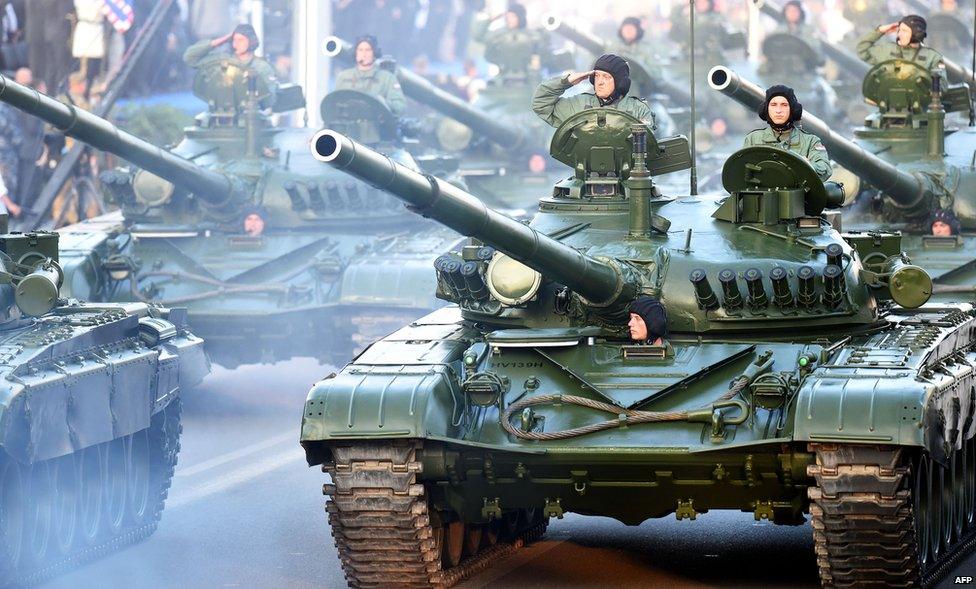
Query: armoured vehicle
<point>89,414</point>
<point>338,263</point>
<point>500,141</point>
<point>914,163</point>
<point>802,373</point>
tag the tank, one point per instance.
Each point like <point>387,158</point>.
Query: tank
<point>902,165</point>
<point>500,142</point>
<point>89,414</point>
<point>803,376</point>
<point>337,264</point>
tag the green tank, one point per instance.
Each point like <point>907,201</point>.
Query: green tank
<point>804,376</point>
<point>500,142</point>
<point>904,164</point>
<point>89,414</point>
<point>337,264</point>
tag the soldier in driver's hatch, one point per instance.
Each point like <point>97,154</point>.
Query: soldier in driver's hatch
<point>910,31</point>
<point>781,110</point>
<point>610,77</point>
<point>368,78</point>
<point>648,320</point>
<point>243,42</point>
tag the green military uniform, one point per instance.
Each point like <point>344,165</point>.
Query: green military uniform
<point>797,141</point>
<point>870,50</point>
<point>376,82</point>
<point>201,55</point>
<point>518,53</point>
<point>554,108</point>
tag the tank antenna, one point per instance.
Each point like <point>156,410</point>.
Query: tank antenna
<point>694,112</point>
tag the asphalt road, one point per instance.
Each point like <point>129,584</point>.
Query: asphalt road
<point>245,511</point>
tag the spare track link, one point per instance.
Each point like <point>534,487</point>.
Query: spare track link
<point>164,432</point>
<point>380,521</point>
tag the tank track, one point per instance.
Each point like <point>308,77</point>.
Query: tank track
<point>383,528</point>
<point>864,521</point>
<point>164,447</point>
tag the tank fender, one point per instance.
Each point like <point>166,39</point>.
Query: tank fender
<point>375,401</point>
<point>934,408</point>
<point>58,403</point>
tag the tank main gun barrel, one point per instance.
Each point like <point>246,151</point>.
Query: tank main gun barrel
<point>905,189</point>
<point>418,88</point>
<point>679,94</point>
<point>97,132</point>
<point>604,284</point>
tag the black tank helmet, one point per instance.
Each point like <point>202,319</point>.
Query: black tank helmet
<point>799,6</point>
<point>617,67</point>
<point>796,109</point>
<point>918,26</point>
<point>631,20</point>
<point>371,41</point>
<point>519,11</point>
<point>252,36</point>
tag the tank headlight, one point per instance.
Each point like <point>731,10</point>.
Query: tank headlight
<point>151,190</point>
<point>511,282</point>
<point>484,389</point>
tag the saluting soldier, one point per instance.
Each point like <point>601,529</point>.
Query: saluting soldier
<point>518,51</point>
<point>910,32</point>
<point>368,78</point>
<point>781,111</point>
<point>610,77</point>
<point>243,43</point>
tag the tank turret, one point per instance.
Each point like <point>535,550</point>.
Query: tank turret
<point>239,223</point>
<point>908,190</point>
<point>854,65</point>
<point>219,191</point>
<point>615,160</point>
<point>912,187</point>
<point>418,88</point>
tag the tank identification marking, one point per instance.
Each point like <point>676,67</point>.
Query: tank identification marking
<point>518,364</point>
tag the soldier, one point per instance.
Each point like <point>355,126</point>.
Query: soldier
<point>648,320</point>
<point>944,223</point>
<point>366,77</point>
<point>795,20</point>
<point>910,31</point>
<point>519,52</point>
<point>243,42</point>
<point>253,223</point>
<point>781,110</point>
<point>610,77</point>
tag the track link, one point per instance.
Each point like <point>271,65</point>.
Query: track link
<point>864,521</point>
<point>382,526</point>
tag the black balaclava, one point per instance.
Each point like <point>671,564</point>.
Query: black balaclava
<point>653,313</point>
<point>519,11</point>
<point>617,67</point>
<point>947,217</point>
<point>796,109</point>
<point>252,36</point>
<point>631,20</point>
<point>918,26</point>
